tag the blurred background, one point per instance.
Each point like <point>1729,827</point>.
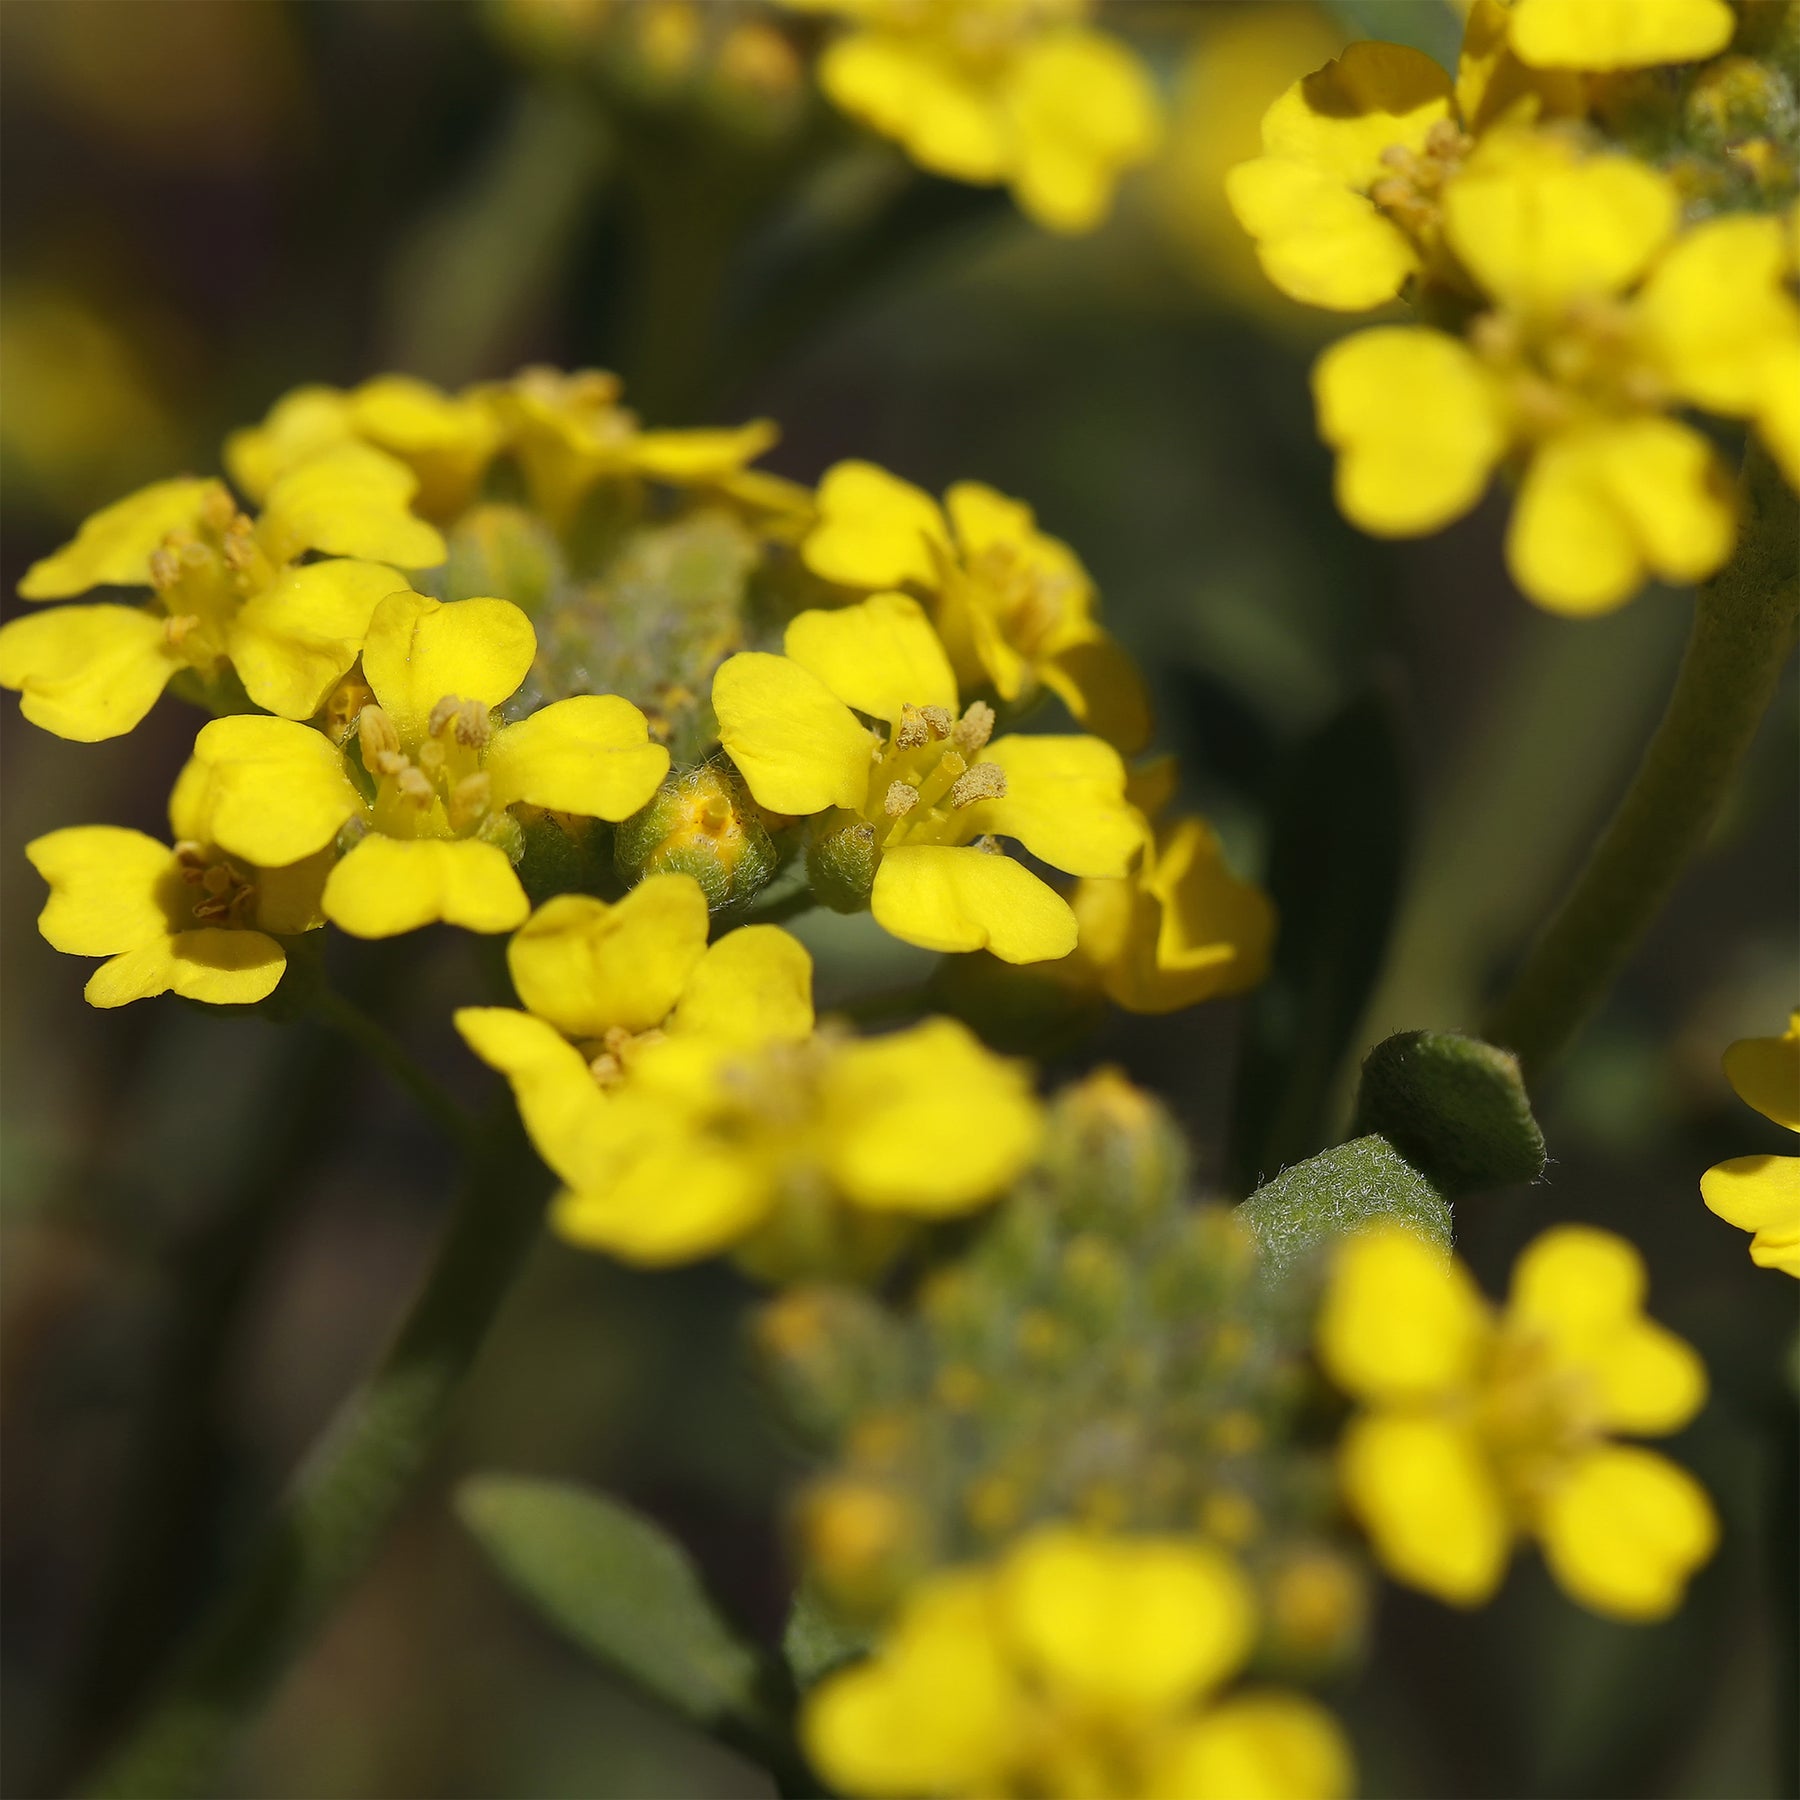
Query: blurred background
<point>210,1223</point>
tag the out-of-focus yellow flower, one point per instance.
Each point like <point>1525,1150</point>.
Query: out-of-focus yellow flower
<point>1014,91</point>
<point>229,593</point>
<point>1481,1427</point>
<point>599,981</point>
<point>923,801</point>
<point>1013,605</point>
<point>426,775</point>
<point>188,920</point>
<point>1761,1194</point>
<point>1601,35</point>
<point>1179,929</point>
<point>710,1141</point>
<point>1570,373</point>
<point>1079,1665</point>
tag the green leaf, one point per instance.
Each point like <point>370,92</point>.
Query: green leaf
<point>1342,1189</point>
<point>618,1586</point>
<point>817,1640</point>
<point>1428,25</point>
<point>1335,856</point>
<point>1454,1107</point>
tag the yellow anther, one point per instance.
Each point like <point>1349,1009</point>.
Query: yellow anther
<point>432,757</point>
<point>974,728</point>
<point>470,800</point>
<point>912,731</point>
<point>901,798</point>
<point>177,630</point>
<point>377,734</point>
<point>985,781</point>
<point>938,720</point>
<point>217,509</point>
<point>413,785</point>
<point>165,568</point>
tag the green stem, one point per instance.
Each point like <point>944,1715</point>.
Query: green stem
<point>346,1494</point>
<point>380,1045</point>
<point>1745,621</point>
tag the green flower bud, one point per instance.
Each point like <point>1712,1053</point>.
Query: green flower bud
<point>497,549</point>
<point>700,822</point>
<point>841,860</point>
<point>561,853</point>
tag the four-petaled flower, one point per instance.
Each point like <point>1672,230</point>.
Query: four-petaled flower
<point>912,802</point>
<point>1013,606</point>
<point>1079,1665</point>
<point>1761,1194</point>
<point>1481,1427</point>
<point>427,776</point>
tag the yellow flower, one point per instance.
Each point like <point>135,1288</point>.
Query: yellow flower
<point>1080,1665</point>
<point>427,776</point>
<point>1569,375</point>
<point>188,920</point>
<point>1014,91</point>
<point>1761,1194</point>
<point>229,593</point>
<point>1618,34</point>
<point>1481,1427</point>
<point>1013,606</point>
<point>600,981</point>
<point>1181,928</point>
<point>1346,202</point>
<point>913,801</point>
<point>817,1146</point>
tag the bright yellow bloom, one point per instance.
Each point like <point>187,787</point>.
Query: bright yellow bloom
<point>1569,375</point>
<point>1761,1194</point>
<point>229,593</point>
<point>1014,91</point>
<point>600,981</point>
<point>1079,1666</point>
<point>1013,605</point>
<point>1346,202</point>
<point>426,776</point>
<point>809,1149</point>
<point>915,800</point>
<point>189,920</point>
<point>1602,35</point>
<point>1480,1427</point>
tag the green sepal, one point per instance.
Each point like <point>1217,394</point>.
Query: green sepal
<point>841,860</point>
<point>1454,1107</point>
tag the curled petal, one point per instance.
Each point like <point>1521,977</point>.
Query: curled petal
<point>386,886</point>
<point>1318,240</point>
<point>292,641</point>
<point>1760,1194</point>
<point>1341,118</point>
<point>1064,801</point>
<point>419,650</point>
<point>114,547</point>
<point>223,968</point>
<point>1765,1073</point>
<point>798,747</point>
<point>349,500</point>
<point>556,1094</point>
<point>590,755</point>
<point>952,897</point>
<point>878,656</point>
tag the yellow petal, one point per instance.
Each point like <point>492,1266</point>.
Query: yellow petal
<point>1081,110</point>
<point>927,1120</point>
<point>113,548</point>
<point>105,888</point>
<point>350,500</point>
<point>389,885</point>
<point>907,91</point>
<point>798,747</point>
<point>1424,1493</point>
<point>1765,1073</point>
<point>1341,118</point>
<point>447,440</point>
<point>1264,1745</point>
<point>292,641</point>
<point>953,897</point>
<point>1778,417</point>
<point>1602,508</point>
<point>1101,685</point>
<point>701,456</point>
<point>878,656</point>
<point>86,672</point>
<point>1318,240</point>
<point>419,650</point>
<point>1619,34</point>
<point>753,986</point>
<point>591,755</point>
<point>936,1710</point>
<point>1715,307</point>
<point>1400,1320</point>
<point>1207,908</point>
<point>267,789</point>
<point>874,530</point>
<point>557,1098</point>
<point>1416,424</point>
<point>299,425</point>
<point>223,968</point>
<point>290,900</point>
<point>1573,1280</point>
<point>1760,1194</point>
<point>1625,1530</point>
<point>1539,226</point>
<point>587,966</point>
<point>1491,80</point>
<point>1142,1624</point>
<point>1064,801</point>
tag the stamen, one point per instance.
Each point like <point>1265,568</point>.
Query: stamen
<point>902,797</point>
<point>414,786</point>
<point>165,568</point>
<point>912,731</point>
<point>473,726</point>
<point>177,630</point>
<point>470,799</point>
<point>938,720</point>
<point>377,734</point>
<point>441,715</point>
<point>985,781</point>
<point>974,728</point>
<point>217,510</point>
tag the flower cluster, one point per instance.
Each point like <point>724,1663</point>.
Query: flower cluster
<point>1578,296</point>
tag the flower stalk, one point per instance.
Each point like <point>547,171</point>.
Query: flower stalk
<point>1745,623</point>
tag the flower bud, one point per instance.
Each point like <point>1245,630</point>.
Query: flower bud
<point>841,859</point>
<point>498,549</point>
<point>700,822</point>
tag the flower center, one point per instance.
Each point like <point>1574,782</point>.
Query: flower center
<point>608,1056</point>
<point>438,787</point>
<point>1031,603</point>
<point>1535,1414</point>
<point>201,577</point>
<point>1411,192</point>
<point>1583,364</point>
<point>927,774</point>
<point>209,889</point>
